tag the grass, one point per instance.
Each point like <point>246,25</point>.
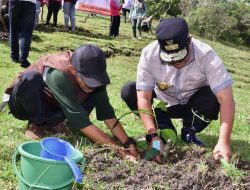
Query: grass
<point>123,55</point>
<point>232,171</point>
<point>202,167</point>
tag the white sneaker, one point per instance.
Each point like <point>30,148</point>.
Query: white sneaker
<point>134,38</point>
<point>139,38</point>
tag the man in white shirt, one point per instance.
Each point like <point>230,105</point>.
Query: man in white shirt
<point>190,78</point>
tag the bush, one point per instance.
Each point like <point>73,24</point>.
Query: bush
<point>222,21</point>
<point>211,21</point>
<point>163,8</point>
<point>241,12</point>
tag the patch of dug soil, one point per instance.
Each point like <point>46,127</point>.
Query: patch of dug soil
<point>184,169</point>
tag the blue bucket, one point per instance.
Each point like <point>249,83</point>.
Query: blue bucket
<point>58,149</point>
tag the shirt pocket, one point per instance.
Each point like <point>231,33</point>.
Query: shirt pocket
<point>192,81</point>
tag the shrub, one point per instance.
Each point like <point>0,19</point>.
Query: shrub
<point>212,21</point>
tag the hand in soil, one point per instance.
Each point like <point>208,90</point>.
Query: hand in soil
<point>133,150</point>
<point>131,158</point>
<point>222,150</point>
<point>126,156</point>
<point>158,159</point>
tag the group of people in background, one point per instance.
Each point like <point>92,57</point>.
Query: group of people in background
<point>24,16</point>
<point>20,17</point>
<point>137,10</point>
<point>54,7</point>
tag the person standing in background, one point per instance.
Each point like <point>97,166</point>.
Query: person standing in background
<point>22,20</point>
<point>53,8</point>
<point>115,19</point>
<point>126,8</point>
<point>38,10</point>
<point>69,14</point>
<point>138,12</point>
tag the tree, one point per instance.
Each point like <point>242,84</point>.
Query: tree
<point>221,20</point>
<point>163,8</point>
<point>210,21</point>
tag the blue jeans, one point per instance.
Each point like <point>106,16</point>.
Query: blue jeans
<point>38,7</point>
<point>69,14</point>
<point>22,19</point>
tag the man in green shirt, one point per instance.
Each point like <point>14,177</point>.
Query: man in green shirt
<point>68,86</point>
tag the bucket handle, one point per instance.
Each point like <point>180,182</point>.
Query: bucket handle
<point>82,162</point>
<point>74,168</point>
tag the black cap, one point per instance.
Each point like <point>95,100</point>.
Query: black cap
<point>90,62</point>
<point>173,37</point>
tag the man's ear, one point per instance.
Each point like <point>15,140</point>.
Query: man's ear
<point>72,70</point>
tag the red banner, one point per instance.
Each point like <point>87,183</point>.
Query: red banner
<point>95,6</point>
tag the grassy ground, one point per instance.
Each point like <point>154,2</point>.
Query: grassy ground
<point>123,55</point>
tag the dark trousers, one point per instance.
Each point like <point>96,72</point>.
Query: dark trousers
<point>197,114</point>
<point>22,19</point>
<point>124,13</point>
<point>27,101</point>
<point>114,26</point>
<point>136,23</point>
<point>53,8</point>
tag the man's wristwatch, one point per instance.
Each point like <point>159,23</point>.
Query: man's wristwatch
<point>149,137</point>
<point>129,142</point>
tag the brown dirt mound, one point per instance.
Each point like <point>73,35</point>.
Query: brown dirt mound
<point>184,169</point>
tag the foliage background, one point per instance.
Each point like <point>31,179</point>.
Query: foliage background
<point>221,20</point>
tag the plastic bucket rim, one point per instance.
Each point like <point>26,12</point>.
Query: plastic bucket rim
<point>57,139</point>
<point>34,157</point>
<point>38,158</point>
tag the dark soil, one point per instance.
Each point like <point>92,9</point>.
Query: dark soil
<point>184,169</point>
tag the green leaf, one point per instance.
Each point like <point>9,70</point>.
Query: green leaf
<point>168,134</point>
<point>159,104</point>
